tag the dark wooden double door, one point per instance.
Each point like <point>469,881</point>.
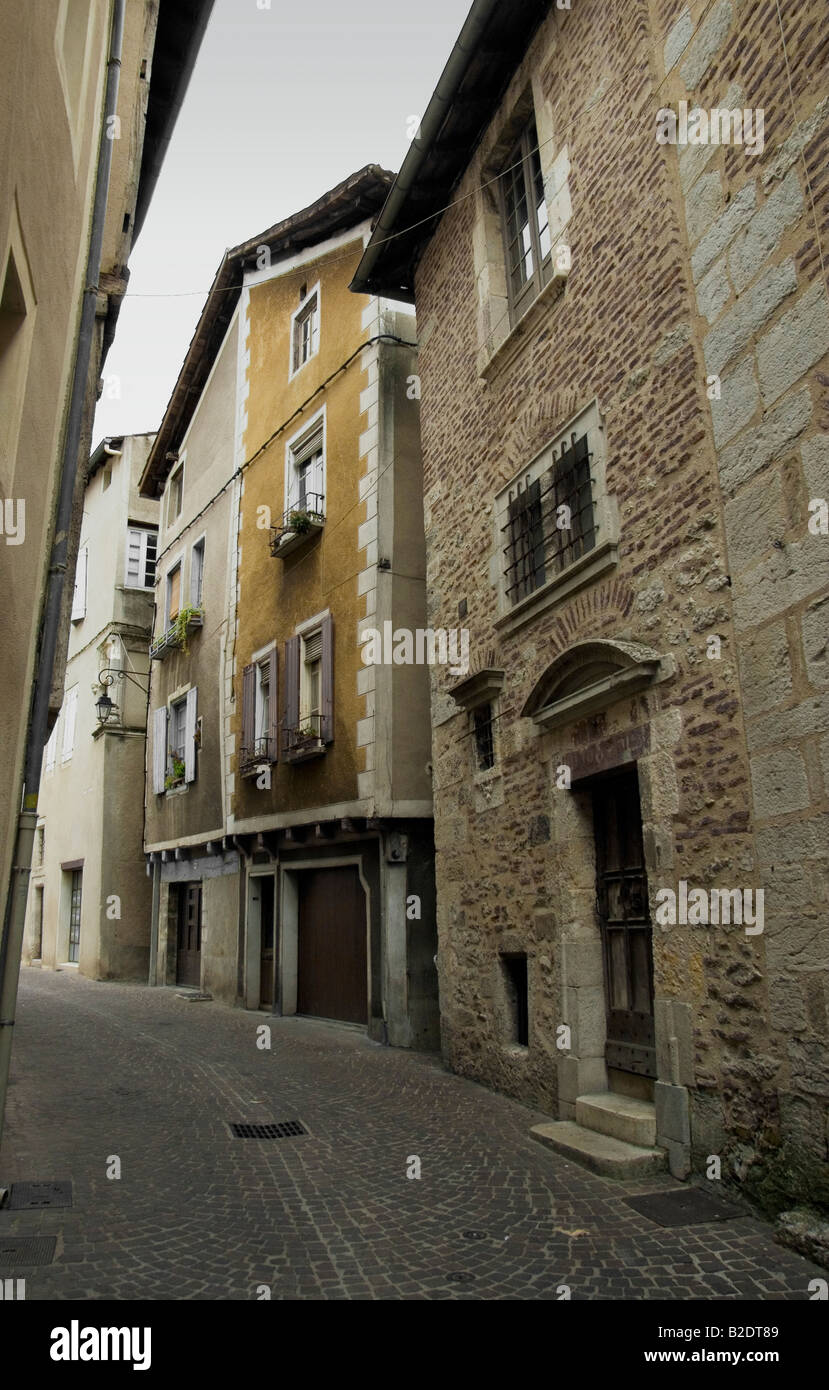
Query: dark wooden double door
<point>332,978</point>
<point>188,943</point>
<point>622,906</point>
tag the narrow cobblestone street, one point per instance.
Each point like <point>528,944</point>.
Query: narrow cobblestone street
<point>101,1070</point>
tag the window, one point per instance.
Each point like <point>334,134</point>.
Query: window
<point>197,573</point>
<point>309,690</point>
<point>305,330</point>
<point>76,16</point>
<point>75,893</point>
<point>174,742</point>
<point>484,734</point>
<point>79,594</point>
<point>175,494</point>
<point>310,686</point>
<point>52,748</point>
<point>517,1002</point>
<point>306,472</point>
<point>142,548</point>
<point>41,845</point>
<point>17,316</point>
<point>557,529</point>
<point>526,230</point>
<point>260,724</point>
<point>70,711</point>
<point>173,603</point>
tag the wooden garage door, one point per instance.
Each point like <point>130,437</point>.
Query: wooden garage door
<point>332,945</point>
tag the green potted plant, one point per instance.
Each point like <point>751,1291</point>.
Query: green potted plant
<point>300,522</point>
<point>181,624</point>
<point>176,776</point>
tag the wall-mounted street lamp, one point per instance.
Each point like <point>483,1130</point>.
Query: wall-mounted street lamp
<point>105,708</point>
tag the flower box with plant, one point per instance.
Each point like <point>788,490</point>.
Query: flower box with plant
<point>175,777</point>
<point>299,525</point>
<point>176,635</point>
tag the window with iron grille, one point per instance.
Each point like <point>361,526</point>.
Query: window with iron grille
<point>527,245</point>
<point>548,518</point>
<point>484,734</point>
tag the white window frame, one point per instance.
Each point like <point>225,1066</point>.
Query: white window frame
<point>70,714</point>
<point>81,585</point>
<point>295,449</point>
<point>585,568</point>
<point>177,564</point>
<point>296,316</point>
<point>261,659</point>
<point>143,532</point>
<point>177,471</point>
<point>198,547</point>
<point>51,750</point>
<point>305,709</point>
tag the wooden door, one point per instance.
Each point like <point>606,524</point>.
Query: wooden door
<point>622,905</point>
<point>331,953</point>
<point>188,953</point>
<point>265,885</point>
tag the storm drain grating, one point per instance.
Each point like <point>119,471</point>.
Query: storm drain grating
<point>31,1196</point>
<point>17,1251</point>
<point>688,1207</point>
<point>281,1129</point>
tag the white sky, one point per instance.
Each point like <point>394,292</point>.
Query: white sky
<point>283,104</point>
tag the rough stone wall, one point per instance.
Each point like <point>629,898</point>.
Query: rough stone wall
<point>754,226</point>
<point>514,865</point>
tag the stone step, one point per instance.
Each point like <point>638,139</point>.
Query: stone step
<point>612,1158</point>
<point>619,1117</point>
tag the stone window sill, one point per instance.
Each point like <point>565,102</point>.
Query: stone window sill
<point>493,360</point>
<point>584,571</point>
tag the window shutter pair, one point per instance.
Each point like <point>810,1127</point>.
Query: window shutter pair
<point>160,723</point>
<point>79,595</point>
<point>249,679</point>
<point>293,655</point>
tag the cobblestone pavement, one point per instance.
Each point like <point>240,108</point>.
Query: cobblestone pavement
<point>102,1070</point>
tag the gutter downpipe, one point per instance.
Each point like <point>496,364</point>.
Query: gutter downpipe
<point>11,948</point>
<point>442,98</point>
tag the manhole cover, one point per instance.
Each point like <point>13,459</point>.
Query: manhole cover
<point>459,1276</point>
<point>17,1251</point>
<point>474,1235</point>
<point>688,1207</point>
<point>282,1129</point>
<point>28,1195</point>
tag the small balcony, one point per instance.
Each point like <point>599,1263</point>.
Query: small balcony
<point>303,740</point>
<point>299,526</point>
<point>261,753</point>
<point>175,638</point>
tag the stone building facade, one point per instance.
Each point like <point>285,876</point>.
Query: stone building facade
<point>624,366</point>
<point>288,798</point>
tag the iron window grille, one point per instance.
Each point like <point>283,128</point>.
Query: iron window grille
<point>551,521</point>
<point>484,732</point>
<point>524,219</point>
<point>260,751</point>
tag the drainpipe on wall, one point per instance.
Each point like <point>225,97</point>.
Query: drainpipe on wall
<point>11,948</point>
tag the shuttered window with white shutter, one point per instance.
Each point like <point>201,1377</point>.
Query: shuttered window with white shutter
<point>79,595</point>
<point>70,710</point>
<point>142,544</point>
<point>159,749</point>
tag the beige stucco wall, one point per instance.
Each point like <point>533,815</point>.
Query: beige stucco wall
<point>91,803</point>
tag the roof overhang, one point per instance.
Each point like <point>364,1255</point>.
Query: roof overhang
<point>491,45</point>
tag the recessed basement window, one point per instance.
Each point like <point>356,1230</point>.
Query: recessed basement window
<point>517,999</point>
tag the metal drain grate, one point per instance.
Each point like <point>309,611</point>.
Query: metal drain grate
<point>29,1196</point>
<point>17,1251</point>
<point>686,1207</point>
<point>282,1129</point>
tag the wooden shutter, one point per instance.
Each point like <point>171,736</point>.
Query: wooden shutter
<point>190,718</point>
<point>273,731</point>
<point>327,721</point>
<point>79,596</point>
<point>291,688</point>
<point>248,709</point>
<point>159,748</point>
